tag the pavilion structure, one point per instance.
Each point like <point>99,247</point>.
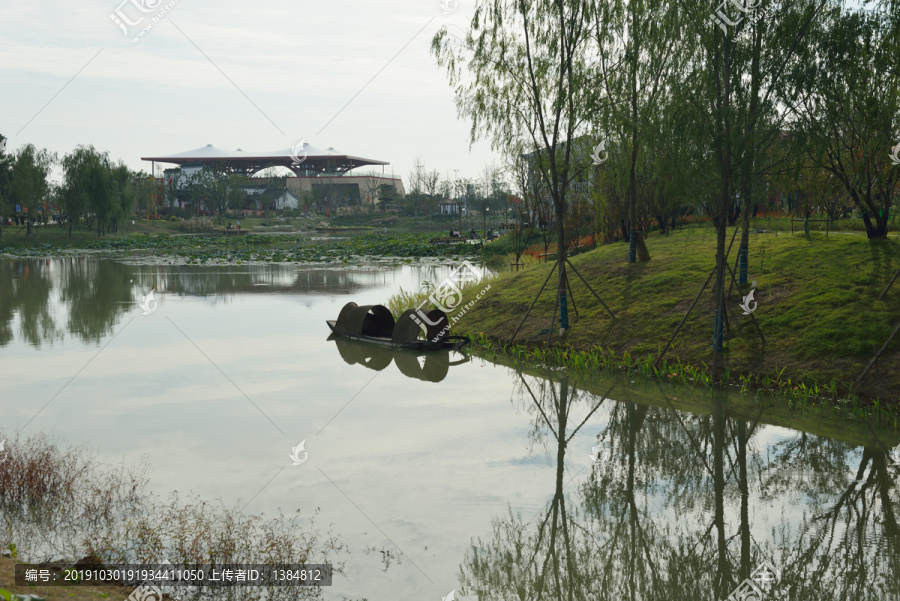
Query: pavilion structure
<point>303,159</point>
<point>326,174</point>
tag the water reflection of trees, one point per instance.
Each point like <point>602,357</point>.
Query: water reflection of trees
<point>42,299</point>
<point>96,294</point>
<point>687,506</point>
<point>25,292</point>
<point>87,296</point>
<point>202,281</point>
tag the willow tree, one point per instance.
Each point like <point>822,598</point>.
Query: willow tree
<point>770,38</point>
<point>641,39</point>
<point>5,178</point>
<point>847,97</point>
<point>30,174</point>
<point>87,189</point>
<point>522,75</point>
<point>741,53</point>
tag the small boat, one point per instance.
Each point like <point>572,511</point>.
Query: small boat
<point>375,324</point>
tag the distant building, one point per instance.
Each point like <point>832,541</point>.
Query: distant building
<point>261,199</point>
<point>323,174</point>
<point>579,165</point>
<point>448,207</point>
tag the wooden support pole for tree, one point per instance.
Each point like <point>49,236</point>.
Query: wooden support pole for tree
<point>571,296</point>
<point>697,298</point>
<point>720,312</point>
<point>875,358</point>
<point>731,286</point>
<point>528,312</point>
<point>888,287</point>
<point>758,329</point>
<point>597,296</point>
<point>552,321</point>
<point>683,319</point>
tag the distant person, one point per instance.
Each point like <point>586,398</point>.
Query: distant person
<point>230,227</point>
<point>238,225</point>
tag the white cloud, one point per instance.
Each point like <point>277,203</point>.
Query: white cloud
<point>299,64</point>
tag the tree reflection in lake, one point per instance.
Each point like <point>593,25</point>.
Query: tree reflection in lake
<point>41,299</point>
<point>688,506</point>
<point>25,292</point>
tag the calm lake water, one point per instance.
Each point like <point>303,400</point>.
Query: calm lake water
<point>473,476</point>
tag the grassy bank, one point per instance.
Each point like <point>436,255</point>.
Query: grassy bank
<point>816,298</point>
<point>675,386</point>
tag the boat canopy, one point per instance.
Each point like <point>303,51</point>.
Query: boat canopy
<point>409,325</point>
<point>366,320</point>
<point>376,321</point>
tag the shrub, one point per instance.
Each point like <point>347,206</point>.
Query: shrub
<point>62,504</point>
<point>197,224</point>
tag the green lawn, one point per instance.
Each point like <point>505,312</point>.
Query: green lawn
<point>816,307</point>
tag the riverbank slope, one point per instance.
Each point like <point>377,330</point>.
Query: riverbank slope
<point>816,306</point>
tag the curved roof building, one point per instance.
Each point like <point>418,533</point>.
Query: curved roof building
<point>303,159</point>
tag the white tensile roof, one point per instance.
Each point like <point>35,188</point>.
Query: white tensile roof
<point>212,152</point>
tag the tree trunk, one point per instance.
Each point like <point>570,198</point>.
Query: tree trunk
<point>744,249</point>
<point>723,85</point>
<point>879,229</point>
<point>719,293</point>
<point>561,258</point>
<point>637,250</point>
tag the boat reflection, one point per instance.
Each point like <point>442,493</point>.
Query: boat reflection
<point>428,366</point>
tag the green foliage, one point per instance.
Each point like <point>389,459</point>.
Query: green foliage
<point>96,190</point>
<point>846,95</point>
<point>406,299</point>
<point>29,175</point>
<point>817,308</point>
<point>220,191</point>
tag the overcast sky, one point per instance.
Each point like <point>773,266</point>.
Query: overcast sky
<point>235,75</point>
